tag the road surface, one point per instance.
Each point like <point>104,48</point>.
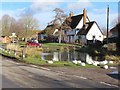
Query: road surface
<point>20,75</point>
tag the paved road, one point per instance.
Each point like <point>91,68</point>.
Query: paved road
<point>19,75</point>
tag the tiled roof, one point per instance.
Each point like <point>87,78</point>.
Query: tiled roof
<point>50,29</point>
<point>72,22</point>
<point>41,32</point>
<point>85,29</point>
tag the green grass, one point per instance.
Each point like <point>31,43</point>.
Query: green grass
<point>57,44</point>
<point>36,61</point>
<point>22,44</point>
<point>7,54</point>
<point>65,63</point>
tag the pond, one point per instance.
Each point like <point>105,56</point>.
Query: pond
<point>67,54</point>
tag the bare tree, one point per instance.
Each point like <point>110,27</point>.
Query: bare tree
<point>59,18</point>
<point>6,23</point>
<point>9,26</point>
<point>28,24</point>
<point>116,21</point>
<point>13,26</point>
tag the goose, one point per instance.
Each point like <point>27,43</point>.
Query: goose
<point>78,61</point>
<point>90,62</point>
<point>111,62</point>
<point>74,61</point>
<point>104,62</point>
<point>105,67</point>
<point>83,64</point>
<point>50,62</point>
<point>95,64</point>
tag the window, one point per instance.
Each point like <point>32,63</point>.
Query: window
<point>93,36</point>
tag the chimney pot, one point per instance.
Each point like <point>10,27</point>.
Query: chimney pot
<point>71,14</point>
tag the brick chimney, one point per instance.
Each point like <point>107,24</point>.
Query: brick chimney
<point>84,16</point>
<point>71,14</point>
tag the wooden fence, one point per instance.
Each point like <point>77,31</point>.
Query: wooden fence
<point>15,52</point>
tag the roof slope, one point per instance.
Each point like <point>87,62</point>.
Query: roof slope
<point>88,26</point>
<point>72,22</point>
<point>51,28</point>
<point>85,29</point>
<point>115,30</point>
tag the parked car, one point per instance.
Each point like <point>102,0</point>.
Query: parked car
<point>34,44</point>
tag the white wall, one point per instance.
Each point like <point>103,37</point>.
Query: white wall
<point>71,32</point>
<point>94,31</point>
<point>80,24</point>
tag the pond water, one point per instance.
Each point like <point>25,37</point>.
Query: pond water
<point>64,54</point>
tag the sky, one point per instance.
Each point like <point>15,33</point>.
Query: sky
<point>43,9</point>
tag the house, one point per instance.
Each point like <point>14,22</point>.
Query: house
<point>80,28</point>
<point>50,33</point>
<point>41,35</point>
<point>113,32</point>
<point>6,39</point>
<point>91,33</point>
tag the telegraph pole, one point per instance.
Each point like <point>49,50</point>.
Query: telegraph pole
<point>107,22</point>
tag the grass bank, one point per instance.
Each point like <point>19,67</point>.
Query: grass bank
<point>39,62</point>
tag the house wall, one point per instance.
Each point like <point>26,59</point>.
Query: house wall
<point>95,31</point>
<point>6,40</point>
<point>71,35</point>
<point>41,36</point>
<point>114,34</point>
<point>83,39</point>
<point>71,38</point>
<point>71,32</point>
<point>80,24</point>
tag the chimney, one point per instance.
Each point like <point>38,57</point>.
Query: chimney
<point>84,16</point>
<point>71,14</point>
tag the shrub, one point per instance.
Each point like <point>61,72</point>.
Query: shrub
<point>113,58</point>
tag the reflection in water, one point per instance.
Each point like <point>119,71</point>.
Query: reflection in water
<point>67,56</point>
<point>55,56</point>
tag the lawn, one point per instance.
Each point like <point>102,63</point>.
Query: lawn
<point>58,44</point>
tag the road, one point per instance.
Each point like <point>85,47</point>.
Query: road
<point>20,75</point>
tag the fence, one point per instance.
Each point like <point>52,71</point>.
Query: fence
<point>15,52</point>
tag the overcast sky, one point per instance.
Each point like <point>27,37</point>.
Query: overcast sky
<point>43,9</point>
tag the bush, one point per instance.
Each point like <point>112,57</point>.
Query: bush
<point>113,58</point>
<point>43,41</point>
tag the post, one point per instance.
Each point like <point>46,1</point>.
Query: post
<point>9,51</point>
<point>107,22</point>
<point>60,35</point>
<point>23,55</point>
<point>14,52</point>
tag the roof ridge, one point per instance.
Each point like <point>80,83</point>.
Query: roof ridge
<point>91,22</point>
<point>78,15</point>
